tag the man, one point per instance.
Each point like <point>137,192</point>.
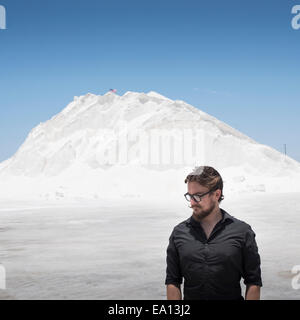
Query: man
<point>211,250</point>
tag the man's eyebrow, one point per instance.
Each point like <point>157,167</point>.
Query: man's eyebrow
<point>196,193</point>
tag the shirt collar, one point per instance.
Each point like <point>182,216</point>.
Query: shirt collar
<point>225,216</point>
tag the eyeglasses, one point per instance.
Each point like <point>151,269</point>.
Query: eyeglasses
<point>197,197</point>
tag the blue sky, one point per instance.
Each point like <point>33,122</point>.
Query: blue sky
<point>237,60</point>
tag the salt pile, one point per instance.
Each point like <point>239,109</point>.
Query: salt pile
<point>134,146</point>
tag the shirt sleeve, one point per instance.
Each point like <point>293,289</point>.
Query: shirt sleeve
<point>251,260</point>
<point>173,271</point>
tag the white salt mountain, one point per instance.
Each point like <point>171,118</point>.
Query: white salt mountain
<point>107,147</point>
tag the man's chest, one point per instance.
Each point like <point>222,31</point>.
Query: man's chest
<point>207,231</point>
<point>199,245</point>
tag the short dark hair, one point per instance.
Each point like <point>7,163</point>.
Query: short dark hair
<point>207,177</point>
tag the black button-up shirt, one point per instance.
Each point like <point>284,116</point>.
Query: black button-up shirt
<point>212,268</point>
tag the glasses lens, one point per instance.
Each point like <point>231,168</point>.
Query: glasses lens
<point>188,197</point>
<point>197,198</point>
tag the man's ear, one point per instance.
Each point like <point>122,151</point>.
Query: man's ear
<point>218,193</point>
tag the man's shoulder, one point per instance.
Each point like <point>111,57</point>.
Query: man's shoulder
<point>237,222</point>
<point>183,225</point>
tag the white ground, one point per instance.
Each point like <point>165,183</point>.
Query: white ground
<point>116,250</point>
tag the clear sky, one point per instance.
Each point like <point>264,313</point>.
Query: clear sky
<point>237,60</point>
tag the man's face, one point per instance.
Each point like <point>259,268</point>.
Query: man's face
<point>207,204</point>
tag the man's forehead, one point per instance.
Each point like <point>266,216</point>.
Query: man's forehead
<point>193,185</point>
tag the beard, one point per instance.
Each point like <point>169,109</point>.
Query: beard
<point>200,213</point>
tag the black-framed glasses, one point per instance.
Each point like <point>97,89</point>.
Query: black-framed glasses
<point>196,197</point>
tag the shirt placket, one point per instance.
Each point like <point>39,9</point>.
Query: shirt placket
<point>206,284</point>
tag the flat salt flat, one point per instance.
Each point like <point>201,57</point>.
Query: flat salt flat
<point>117,249</point>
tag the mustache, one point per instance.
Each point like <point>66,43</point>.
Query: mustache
<point>193,206</point>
